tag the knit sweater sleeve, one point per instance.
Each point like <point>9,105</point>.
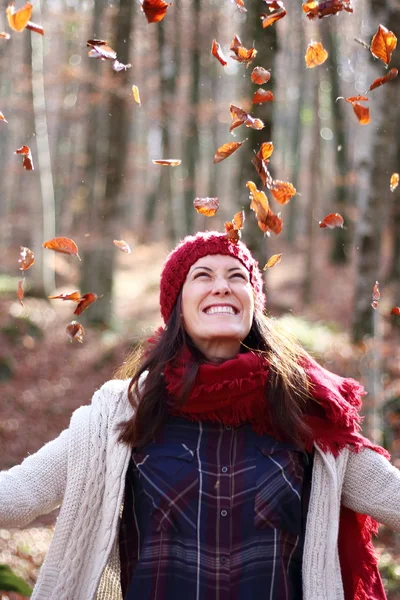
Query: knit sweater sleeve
<point>371,486</point>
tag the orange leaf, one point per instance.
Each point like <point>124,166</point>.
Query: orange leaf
<point>2,117</point>
<point>362,113</point>
<point>167,162</point>
<point>85,302</point>
<point>100,49</point>
<point>352,99</point>
<point>282,191</point>
<point>261,96</point>
<point>232,228</point>
<point>395,310</point>
<point>27,258</point>
<point>241,117</point>
<point>376,295</point>
<point>329,7</point>
<point>240,53</point>
<point>266,150</point>
<point>206,206</point>
<point>63,245</point>
<point>280,12</point>
<point>27,161</point>
<point>4,35</point>
<point>260,161</point>
<point>36,28</point>
<point>382,80</point>
<point>383,43</point>
<point>266,219</point>
<point>259,75</point>
<point>240,5</point>
<point>73,296</point>
<point>315,55</point>
<point>18,19</point>
<point>121,245</point>
<point>332,220</point>
<point>226,150</point>
<point>75,331</point>
<point>20,291</point>
<point>274,260</point>
<point>394,181</point>
<point>217,52</point>
<point>155,10</point>
<point>136,97</point>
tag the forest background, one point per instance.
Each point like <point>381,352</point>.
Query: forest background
<point>94,181</point>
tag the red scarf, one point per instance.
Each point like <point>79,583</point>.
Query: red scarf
<point>233,392</point>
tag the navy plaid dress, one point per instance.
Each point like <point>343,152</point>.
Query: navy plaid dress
<point>213,513</point>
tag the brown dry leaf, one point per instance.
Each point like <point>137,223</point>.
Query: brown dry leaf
<point>274,260</point>
<point>383,43</point>
<point>100,49</point>
<point>26,154</point>
<point>362,113</point>
<point>382,80</point>
<point>2,117</point>
<point>266,219</point>
<point>240,53</point>
<point>27,258</point>
<point>119,66</point>
<point>122,245</point>
<point>34,27</point>
<point>75,331</point>
<point>4,35</point>
<point>376,295</point>
<point>206,206</point>
<point>232,228</point>
<point>259,75</point>
<point>241,117</point>
<point>261,96</point>
<point>394,181</point>
<point>84,303</point>
<point>282,191</point>
<point>226,150</point>
<point>18,19</point>
<point>63,245</point>
<point>20,291</point>
<point>313,8</point>
<point>217,52</point>
<point>277,11</point>
<point>167,162</point>
<point>73,296</point>
<point>155,10</point>
<point>331,221</point>
<point>240,5</point>
<point>315,55</point>
<point>395,310</point>
<point>136,97</point>
<point>261,160</point>
<point>266,150</point>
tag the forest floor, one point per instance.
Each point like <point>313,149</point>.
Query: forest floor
<point>44,377</point>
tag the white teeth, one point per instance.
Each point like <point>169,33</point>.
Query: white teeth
<point>220,309</point>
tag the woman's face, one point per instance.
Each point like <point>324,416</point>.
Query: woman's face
<point>218,305</point>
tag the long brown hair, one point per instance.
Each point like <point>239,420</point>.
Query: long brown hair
<point>287,389</point>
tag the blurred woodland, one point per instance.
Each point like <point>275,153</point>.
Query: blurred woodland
<point>94,181</point>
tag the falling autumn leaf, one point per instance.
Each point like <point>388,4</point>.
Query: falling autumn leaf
<point>383,43</point>
<point>155,10</point>
<point>240,5</point>
<point>217,52</point>
<point>119,66</point>
<point>226,150</point>
<point>63,245</point>
<point>331,221</point>
<point>274,260</point>
<point>34,27</point>
<point>362,113</point>
<point>277,11</point>
<point>395,310</point>
<point>27,258</point>
<point>261,160</point>
<point>232,228</point>
<point>73,296</point>
<point>282,191</point>
<point>261,96</point>
<point>314,8</point>
<point>382,80</point>
<point>85,302</point>
<point>241,117</point>
<point>169,162</point>
<point>259,75</point>
<point>136,97</point>
<point>2,117</point>
<point>20,291</point>
<point>315,55</point>
<point>206,206</point>
<point>266,219</point>
<point>100,49</point>
<point>75,331</point>
<point>4,35</point>
<point>123,246</point>
<point>26,154</point>
<point>394,181</point>
<point>240,53</point>
<point>376,295</point>
<point>18,19</point>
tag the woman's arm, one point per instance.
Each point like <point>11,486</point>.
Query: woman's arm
<point>371,486</point>
<point>36,486</point>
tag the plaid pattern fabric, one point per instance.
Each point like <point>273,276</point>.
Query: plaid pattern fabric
<point>213,513</point>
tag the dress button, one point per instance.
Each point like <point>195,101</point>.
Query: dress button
<point>222,560</point>
<point>224,469</point>
<point>223,513</point>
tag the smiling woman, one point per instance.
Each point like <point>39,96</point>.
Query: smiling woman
<point>225,463</point>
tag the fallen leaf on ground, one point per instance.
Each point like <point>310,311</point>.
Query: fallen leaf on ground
<point>155,10</point>
<point>123,246</point>
<point>274,260</point>
<point>217,52</point>
<point>167,162</point>
<point>27,258</point>
<point>136,97</point>
<point>206,206</point>
<point>331,221</point>
<point>27,161</point>
<point>226,150</point>
<point>63,245</point>
<point>394,181</point>
<point>259,75</point>
<point>315,55</point>
<point>75,331</point>
<point>261,96</point>
<point>383,43</point>
<point>18,19</point>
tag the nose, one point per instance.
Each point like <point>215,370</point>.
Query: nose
<point>221,286</point>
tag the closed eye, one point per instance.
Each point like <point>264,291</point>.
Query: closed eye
<point>239,275</point>
<point>200,274</point>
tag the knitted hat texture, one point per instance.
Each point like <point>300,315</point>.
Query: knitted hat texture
<point>188,251</point>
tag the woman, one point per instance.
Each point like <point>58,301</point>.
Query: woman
<point>229,465</point>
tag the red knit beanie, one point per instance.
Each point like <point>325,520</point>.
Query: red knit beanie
<point>188,251</point>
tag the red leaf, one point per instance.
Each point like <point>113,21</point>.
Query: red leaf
<point>63,245</point>
<point>84,303</point>
<point>241,117</point>
<point>313,8</point>
<point>395,310</point>
<point>226,150</point>
<point>155,10</point>
<point>261,96</point>
<point>376,296</point>
<point>259,75</point>
<point>36,28</point>
<point>382,80</point>
<point>277,11</point>
<point>240,5</point>
<point>383,43</point>
<point>331,221</point>
<point>240,53</point>
<point>168,162</point>
<point>20,291</point>
<point>217,52</point>
<point>27,161</point>
<point>27,258</point>
<point>75,331</point>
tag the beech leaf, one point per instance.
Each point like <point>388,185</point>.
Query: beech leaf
<point>63,245</point>
<point>315,55</point>
<point>226,150</point>
<point>206,206</point>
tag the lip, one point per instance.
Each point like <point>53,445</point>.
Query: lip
<point>224,304</point>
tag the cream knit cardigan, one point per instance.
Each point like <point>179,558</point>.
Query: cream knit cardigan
<point>84,471</point>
